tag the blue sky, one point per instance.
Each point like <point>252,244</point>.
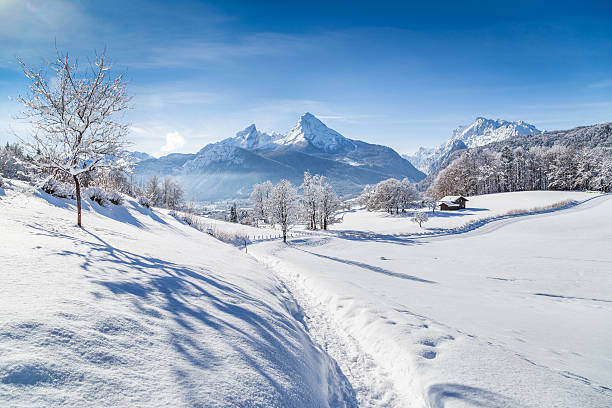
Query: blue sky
<point>392,73</point>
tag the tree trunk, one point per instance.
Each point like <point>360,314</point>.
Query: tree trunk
<point>77,187</point>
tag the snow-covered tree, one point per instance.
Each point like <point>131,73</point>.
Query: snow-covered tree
<point>419,217</point>
<point>171,194</point>
<point>13,162</point>
<point>233,213</point>
<point>408,195</point>
<point>558,167</point>
<point>328,205</point>
<point>430,203</point>
<point>153,191</point>
<point>389,195</point>
<point>284,206</point>
<point>75,116</point>
<point>311,188</point>
<point>259,199</point>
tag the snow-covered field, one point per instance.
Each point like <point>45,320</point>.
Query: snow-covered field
<point>478,208</point>
<point>137,309</point>
<point>513,314</point>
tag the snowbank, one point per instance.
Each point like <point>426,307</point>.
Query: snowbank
<point>137,309</point>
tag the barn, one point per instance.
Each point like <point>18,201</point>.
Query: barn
<point>450,203</point>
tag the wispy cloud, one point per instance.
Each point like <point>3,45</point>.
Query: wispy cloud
<point>193,52</point>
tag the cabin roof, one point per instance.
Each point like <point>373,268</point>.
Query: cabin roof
<point>450,204</point>
<point>452,199</point>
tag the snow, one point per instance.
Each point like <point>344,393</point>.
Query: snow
<point>137,309</point>
<point>484,131</point>
<point>513,314</point>
<point>479,133</point>
<point>215,153</point>
<point>251,138</point>
<point>450,198</point>
<point>310,129</point>
<point>477,208</point>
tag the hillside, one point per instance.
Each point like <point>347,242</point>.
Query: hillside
<point>137,309</point>
<point>228,169</point>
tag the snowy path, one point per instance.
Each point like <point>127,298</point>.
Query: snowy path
<point>483,318</point>
<point>373,387</point>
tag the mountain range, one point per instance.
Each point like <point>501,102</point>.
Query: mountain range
<point>481,132</point>
<point>229,168</point>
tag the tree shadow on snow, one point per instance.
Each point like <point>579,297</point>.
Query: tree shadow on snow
<point>372,268</point>
<point>149,212</point>
<point>206,307</point>
<point>116,212</point>
<point>457,213</point>
<point>353,235</point>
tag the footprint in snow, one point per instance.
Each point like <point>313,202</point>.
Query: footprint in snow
<point>429,354</point>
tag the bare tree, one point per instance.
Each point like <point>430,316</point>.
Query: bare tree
<point>74,118</point>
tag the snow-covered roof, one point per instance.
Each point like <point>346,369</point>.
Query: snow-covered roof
<point>452,199</point>
<point>450,204</point>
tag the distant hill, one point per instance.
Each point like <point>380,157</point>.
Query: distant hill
<point>229,168</point>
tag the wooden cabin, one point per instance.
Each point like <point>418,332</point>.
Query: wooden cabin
<point>450,203</point>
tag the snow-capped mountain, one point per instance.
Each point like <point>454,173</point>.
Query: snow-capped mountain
<point>479,133</point>
<point>251,138</point>
<point>229,168</point>
<point>484,131</point>
<point>308,132</point>
<point>311,131</point>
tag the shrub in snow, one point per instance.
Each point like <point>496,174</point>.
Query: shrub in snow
<point>1,181</point>
<point>144,201</point>
<point>114,197</point>
<point>57,188</point>
<point>96,194</point>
